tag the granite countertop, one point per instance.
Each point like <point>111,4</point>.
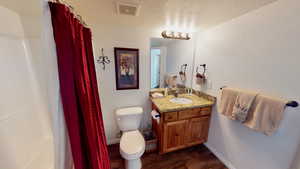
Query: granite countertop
<point>164,105</point>
<point>157,90</point>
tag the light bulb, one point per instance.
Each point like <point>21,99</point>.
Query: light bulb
<point>168,33</point>
<point>176,34</point>
<point>183,35</point>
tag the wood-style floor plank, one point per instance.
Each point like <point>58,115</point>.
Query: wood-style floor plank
<point>198,157</point>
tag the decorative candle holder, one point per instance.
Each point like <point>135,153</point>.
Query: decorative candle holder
<point>103,59</point>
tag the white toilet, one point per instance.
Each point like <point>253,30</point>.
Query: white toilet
<point>132,144</point>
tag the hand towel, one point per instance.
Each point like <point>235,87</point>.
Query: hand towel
<point>157,95</point>
<point>265,114</point>
<point>200,79</point>
<point>242,105</point>
<point>182,76</point>
<point>228,97</point>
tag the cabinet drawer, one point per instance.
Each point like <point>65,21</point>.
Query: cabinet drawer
<point>205,111</point>
<point>170,116</point>
<point>197,112</point>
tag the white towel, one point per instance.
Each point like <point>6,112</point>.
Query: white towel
<point>157,95</point>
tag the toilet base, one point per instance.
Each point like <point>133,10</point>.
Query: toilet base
<point>133,164</point>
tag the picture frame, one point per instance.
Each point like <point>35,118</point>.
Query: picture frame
<point>126,68</point>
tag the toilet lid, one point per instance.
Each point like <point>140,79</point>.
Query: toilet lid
<point>132,142</point>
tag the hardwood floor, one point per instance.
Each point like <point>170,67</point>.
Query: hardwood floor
<point>198,157</point>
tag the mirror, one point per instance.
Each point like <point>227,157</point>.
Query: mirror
<point>171,63</point>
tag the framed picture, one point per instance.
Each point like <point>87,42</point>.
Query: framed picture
<point>127,68</point>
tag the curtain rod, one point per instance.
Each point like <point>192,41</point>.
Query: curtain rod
<point>71,8</point>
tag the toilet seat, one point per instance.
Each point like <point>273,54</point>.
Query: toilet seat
<point>132,145</point>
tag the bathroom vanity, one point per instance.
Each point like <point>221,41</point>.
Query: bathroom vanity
<point>183,124</point>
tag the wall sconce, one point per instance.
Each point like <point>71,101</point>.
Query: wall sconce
<point>175,35</point>
<point>103,59</point>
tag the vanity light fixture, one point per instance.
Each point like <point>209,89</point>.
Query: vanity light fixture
<point>175,35</point>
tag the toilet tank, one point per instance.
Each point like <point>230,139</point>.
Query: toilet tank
<point>129,118</point>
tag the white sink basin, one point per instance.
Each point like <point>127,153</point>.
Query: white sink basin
<point>181,100</point>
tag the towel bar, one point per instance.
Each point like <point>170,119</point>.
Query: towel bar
<point>292,104</point>
<point>289,104</point>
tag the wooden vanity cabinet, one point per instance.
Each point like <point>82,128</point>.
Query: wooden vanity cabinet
<point>174,136</point>
<point>181,129</point>
<point>197,132</point>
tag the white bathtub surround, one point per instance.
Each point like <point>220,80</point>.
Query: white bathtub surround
<point>257,51</point>
<point>26,138</point>
<point>62,149</point>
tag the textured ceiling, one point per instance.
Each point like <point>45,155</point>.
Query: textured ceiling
<point>190,15</point>
<point>187,15</point>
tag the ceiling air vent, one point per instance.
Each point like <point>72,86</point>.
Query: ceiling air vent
<point>128,8</point>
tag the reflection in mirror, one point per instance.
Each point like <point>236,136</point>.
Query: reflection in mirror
<point>171,63</point>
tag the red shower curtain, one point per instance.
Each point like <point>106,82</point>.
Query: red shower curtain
<point>79,91</point>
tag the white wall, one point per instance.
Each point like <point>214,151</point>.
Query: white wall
<point>296,161</point>
<point>258,51</point>
<point>24,127</point>
<point>180,52</point>
<point>111,99</point>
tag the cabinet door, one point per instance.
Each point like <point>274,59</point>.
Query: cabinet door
<point>197,130</point>
<point>174,135</point>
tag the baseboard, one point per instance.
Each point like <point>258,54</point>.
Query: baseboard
<point>221,157</point>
